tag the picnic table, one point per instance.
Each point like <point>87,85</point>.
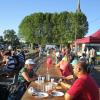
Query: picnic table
<point>54,73</point>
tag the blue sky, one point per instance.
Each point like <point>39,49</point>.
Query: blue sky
<point>13,11</point>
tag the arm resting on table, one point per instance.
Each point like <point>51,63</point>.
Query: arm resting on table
<point>65,85</point>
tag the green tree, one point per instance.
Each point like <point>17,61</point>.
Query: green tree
<point>78,25</point>
<point>59,28</point>
<point>1,39</point>
<point>10,37</point>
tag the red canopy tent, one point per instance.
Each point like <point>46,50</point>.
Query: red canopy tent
<point>94,38</point>
<point>96,34</point>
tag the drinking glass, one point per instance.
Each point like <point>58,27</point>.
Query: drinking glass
<point>43,79</point>
<point>52,80</point>
<point>48,88</point>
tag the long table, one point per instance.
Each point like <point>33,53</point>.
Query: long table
<point>54,72</point>
<point>28,96</point>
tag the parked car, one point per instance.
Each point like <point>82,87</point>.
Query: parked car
<point>49,46</point>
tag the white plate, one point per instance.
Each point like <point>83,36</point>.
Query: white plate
<point>42,95</point>
<point>36,81</point>
<point>54,83</point>
<point>57,93</point>
<point>31,90</point>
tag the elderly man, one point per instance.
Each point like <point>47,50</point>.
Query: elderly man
<point>84,87</point>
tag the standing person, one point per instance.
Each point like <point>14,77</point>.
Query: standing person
<point>53,54</point>
<point>83,57</point>
<point>1,55</point>
<point>84,87</point>
<point>21,59</point>
<point>57,56</point>
<point>40,51</point>
<point>63,52</point>
<point>92,56</point>
<point>87,55</point>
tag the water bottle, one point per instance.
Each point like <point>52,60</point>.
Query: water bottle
<point>47,77</point>
<point>39,79</point>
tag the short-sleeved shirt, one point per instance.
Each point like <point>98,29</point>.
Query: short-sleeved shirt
<point>21,78</point>
<point>10,63</point>
<point>65,68</point>
<point>84,88</point>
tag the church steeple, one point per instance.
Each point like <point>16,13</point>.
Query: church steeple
<point>78,7</point>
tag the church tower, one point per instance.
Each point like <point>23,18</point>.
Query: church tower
<point>78,10</point>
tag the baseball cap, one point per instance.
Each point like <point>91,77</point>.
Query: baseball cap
<point>9,47</point>
<point>29,61</point>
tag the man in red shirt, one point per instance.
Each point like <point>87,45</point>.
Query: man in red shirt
<point>84,88</point>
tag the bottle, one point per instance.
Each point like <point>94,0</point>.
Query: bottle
<point>47,77</point>
<point>39,79</point>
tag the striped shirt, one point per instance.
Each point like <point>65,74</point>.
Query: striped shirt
<point>21,57</point>
<point>10,63</point>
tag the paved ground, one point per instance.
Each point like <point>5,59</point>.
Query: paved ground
<point>96,74</point>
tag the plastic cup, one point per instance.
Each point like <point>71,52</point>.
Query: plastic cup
<point>43,79</point>
<point>52,80</point>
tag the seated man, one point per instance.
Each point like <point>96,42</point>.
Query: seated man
<point>21,59</point>
<point>9,63</point>
<point>84,87</point>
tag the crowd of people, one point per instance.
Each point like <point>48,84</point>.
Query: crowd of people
<point>77,68</point>
<point>13,63</point>
<point>70,65</point>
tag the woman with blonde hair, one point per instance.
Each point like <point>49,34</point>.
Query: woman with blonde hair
<point>65,66</point>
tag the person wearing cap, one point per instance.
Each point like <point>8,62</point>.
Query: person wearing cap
<point>9,47</point>
<point>84,87</point>
<point>26,73</point>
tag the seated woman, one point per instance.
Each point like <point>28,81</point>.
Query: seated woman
<point>27,74</point>
<point>65,66</point>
